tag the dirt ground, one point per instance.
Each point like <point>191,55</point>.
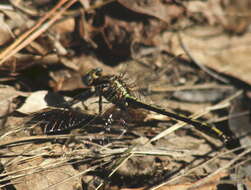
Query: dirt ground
<point>191,58</point>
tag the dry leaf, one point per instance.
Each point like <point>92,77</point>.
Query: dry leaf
<point>155,8</point>
<point>7,94</point>
<point>226,54</point>
<point>40,100</point>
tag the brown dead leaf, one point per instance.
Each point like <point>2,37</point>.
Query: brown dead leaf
<point>210,185</point>
<point>155,8</point>
<point>65,26</point>
<point>119,34</point>
<point>17,22</point>
<point>226,54</point>
<point>34,102</point>
<point>7,94</point>
<point>47,178</point>
<point>239,120</point>
<point>39,173</point>
<point>210,9</point>
<point>5,31</point>
<point>234,16</point>
<point>248,183</point>
<point>65,80</point>
<point>237,15</point>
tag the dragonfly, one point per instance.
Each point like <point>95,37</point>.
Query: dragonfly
<point>115,90</point>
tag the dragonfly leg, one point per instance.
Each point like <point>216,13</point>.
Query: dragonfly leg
<point>100,104</point>
<point>124,130</point>
<point>83,96</point>
<point>109,122</point>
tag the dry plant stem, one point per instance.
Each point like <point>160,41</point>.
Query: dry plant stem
<point>119,163</point>
<point>81,173</point>
<point>34,169</point>
<point>131,151</point>
<point>26,34</point>
<point>26,140</point>
<point>27,156</point>
<point>195,116</point>
<point>16,158</point>
<point>17,4</point>
<point>70,178</point>
<point>11,132</point>
<point>201,66</point>
<point>35,31</point>
<point>182,174</point>
<point>244,113</point>
<point>187,87</point>
<point>204,180</point>
<point>41,26</point>
<point>241,163</point>
<point>6,7</point>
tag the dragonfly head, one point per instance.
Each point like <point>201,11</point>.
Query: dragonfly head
<point>91,76</point>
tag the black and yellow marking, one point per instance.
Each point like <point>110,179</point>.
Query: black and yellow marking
<point>180,117</point>
<point>115,90</point>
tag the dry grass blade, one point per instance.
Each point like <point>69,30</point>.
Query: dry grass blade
<point>31,170</point>
<point>72,177</point>
<point>44,23</point>
<point>119,162</point>
<point>55,160</point>
<point>185,87</point>
<point>182,174</point>
<point>122,160</point>
<point>203,181</point>
<point>25,140</point>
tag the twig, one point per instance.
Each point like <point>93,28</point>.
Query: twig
<point>204,180</point>
<point>72,177</point>
<point>36,30</point>
<point>182,174</point>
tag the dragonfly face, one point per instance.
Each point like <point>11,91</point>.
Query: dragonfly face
<point>90,78</point>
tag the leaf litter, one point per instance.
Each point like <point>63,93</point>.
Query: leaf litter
<point>60,42</point>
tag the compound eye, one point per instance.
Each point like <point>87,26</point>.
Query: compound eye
<point>87,80</point>
<point>90,77</point>
<point>98,71</point>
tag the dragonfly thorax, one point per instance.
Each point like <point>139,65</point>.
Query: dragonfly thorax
<point>112,87</point>
<point>116,91</point>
